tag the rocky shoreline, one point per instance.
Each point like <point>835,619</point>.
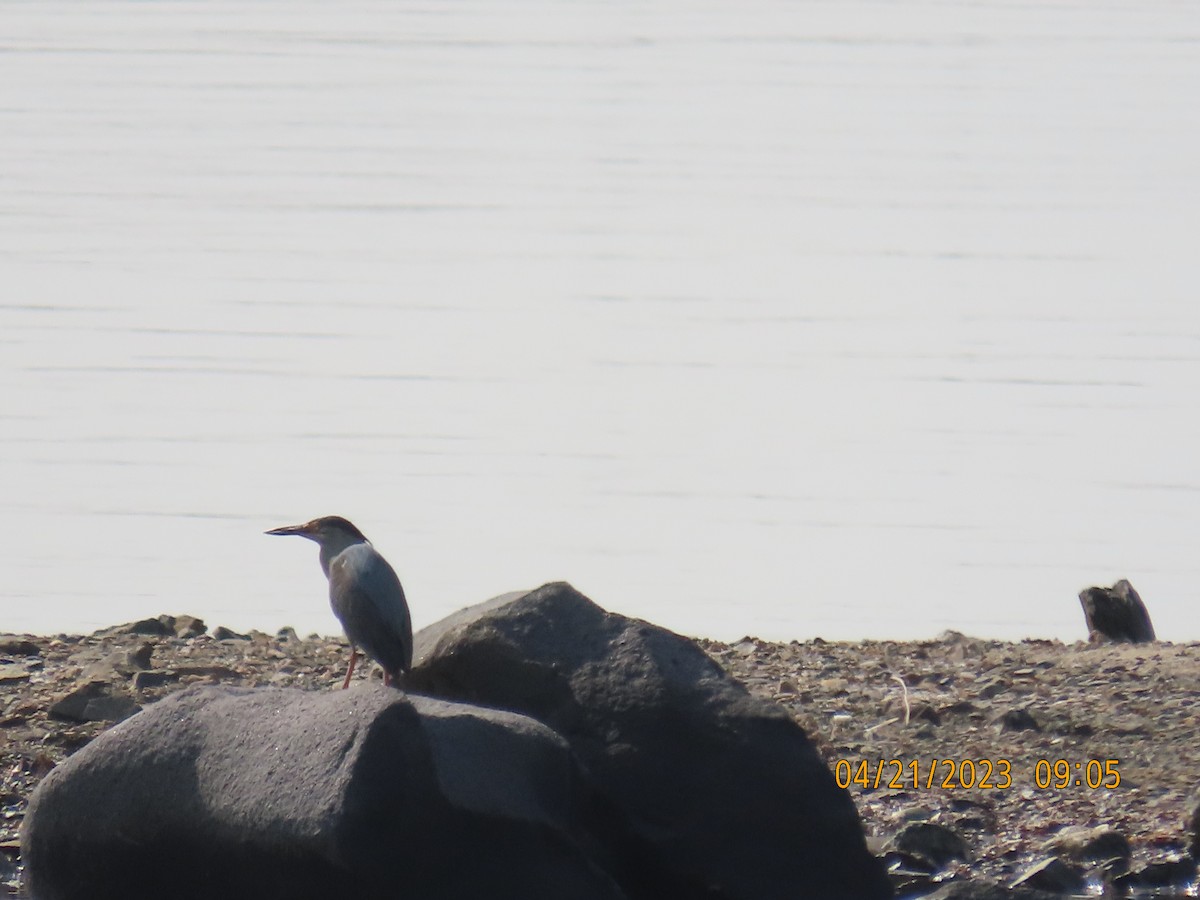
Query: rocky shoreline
<point>958,698</point>
<point>881,713</point>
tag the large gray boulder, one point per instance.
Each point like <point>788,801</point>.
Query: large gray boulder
<point>270,793</point>
<point>724,795</point>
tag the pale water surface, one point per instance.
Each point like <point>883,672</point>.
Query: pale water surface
<point>786,318</point>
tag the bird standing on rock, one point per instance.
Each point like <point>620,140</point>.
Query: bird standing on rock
<point>364,592</point>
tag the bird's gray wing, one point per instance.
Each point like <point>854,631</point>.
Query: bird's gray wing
<point>367,597</point>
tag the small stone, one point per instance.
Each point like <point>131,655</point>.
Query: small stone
<point>1176,873</point>
<point>221,633</point>
<point>10,674</point>
<point>94,702</point>
<point>936,843</point>
<point>17,646</point>
<point>215,672</point>
<point>911,876</point>
<point>1083,844</point>
<point>189,627</point>
<point>140,658</point>
<point>993,688</point>
<point>110,708</point>
<point>149,627</point>
<point>112,667</point>
<point>923,712</point>
<point>72,705</point>
<point>1194,825</point>
<point>144,680</point>
<point>961,708</point>
<point>1018,720</point>
<point>1052,875</point>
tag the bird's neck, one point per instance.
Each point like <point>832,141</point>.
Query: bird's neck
<point>330,548</point>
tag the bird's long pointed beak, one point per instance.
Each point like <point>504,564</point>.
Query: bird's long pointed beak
<point>301,530</point>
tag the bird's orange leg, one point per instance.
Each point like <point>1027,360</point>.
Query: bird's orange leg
<point>350,671</point>
<point>387,679</point>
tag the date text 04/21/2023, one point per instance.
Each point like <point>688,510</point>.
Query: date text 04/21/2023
<point>979,774</point>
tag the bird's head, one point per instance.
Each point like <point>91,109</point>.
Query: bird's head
<point>332,533</point>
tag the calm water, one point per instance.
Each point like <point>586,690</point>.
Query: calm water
<point>786,318</point>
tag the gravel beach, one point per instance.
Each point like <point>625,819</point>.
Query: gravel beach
<point>969,760</point>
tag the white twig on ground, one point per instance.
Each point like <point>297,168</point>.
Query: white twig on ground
<point>904,687</point>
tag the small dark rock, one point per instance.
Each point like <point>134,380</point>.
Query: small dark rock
<point>1052,875</point>
<point>110,708</point>
<point>910,875</point>
<point>18,646</point>
<point>928,840</point>
<point>221,633</point>
<point>72,705</point>
<point>961,708</point>
<point>899,861</point>
<point>1194,824</point>
<point>1176,873</point>
<point>144,680</point>
<point>993,688</point>
<point>1100,844</point>
<point>94,702</point>
<point>926,713</point>
<point>151,627</point>
<point>189,627</point>
<point>1116,614</point>
<point>12,673</point>
<point>215,672</point>
<point>140,658</point>
<point>1018,720</point>
<point>988,890</point>
<point>110,667</point>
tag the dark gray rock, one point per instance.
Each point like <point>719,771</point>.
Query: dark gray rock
<point>272,793</point>
<point>1194,826</point>
<point>936,844</point>
<point>1176,874</point>
<point>1088,844</point>
<point>1018,720</point>
<point>212,671</point>
<point>988,890</point>
<point>724,794</point>
<point>12,673</point>
<point>911,876</point>
<point>189,627</point>
<point>161,626</point>
<point>94,701</point>
<point>1116,614</point>
<point>14,645</point>
<point>1052,875</point>
<point>221,633</point>
<point>140,658</point>
<point>145,680</point>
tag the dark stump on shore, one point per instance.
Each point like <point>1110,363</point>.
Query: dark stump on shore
<point>1116,614</point>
